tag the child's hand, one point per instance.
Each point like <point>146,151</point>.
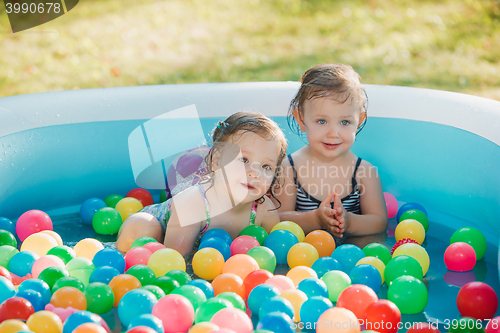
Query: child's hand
<point>326,216</point>
<point>340,214</point>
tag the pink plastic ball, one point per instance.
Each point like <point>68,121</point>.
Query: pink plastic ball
<point>222,330</point>
<point>493,326</point>
<point>137,256</point>
<point>233,319</point>
<point>243,244</point>
<point>392,205</point>
<point>176,313</point>
<point>45,262</point>
<point>31,222</point>
<point>153,246</point>
<point>460,257</point>
<point>281,282</point>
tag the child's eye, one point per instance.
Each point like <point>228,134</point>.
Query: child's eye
<point>345,122</point>
<point>267,167</point>
<point>322,121</point>
<point>244,159</point>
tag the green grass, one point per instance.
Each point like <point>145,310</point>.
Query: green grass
<point>449,45</point>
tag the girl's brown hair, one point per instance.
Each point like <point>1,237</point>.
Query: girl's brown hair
<point>337,81</point>
<point>242,122</point>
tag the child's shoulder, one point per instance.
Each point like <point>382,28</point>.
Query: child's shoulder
<point>266,213</point>
<point>366,170</point>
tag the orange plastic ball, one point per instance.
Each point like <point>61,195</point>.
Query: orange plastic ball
<point>241,265</point>
<point>69,296</point>
<point>302,254</point>
<point>203,327</point>
<point>299,273</point>
<point>322,241</point>
<point>228,282</point>
<point>208,263</point>
<point>89,328</point>
<point>13,326</point>
<point>297,298</point>
<point>87,248</point>
<point>45,322</point>
<point>122,284</point>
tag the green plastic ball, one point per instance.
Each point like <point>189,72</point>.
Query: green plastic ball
<point>265,257</point>
<point>235,299</point>
<point>415,214</point>
<point>7,238</point>
<point>65,253</point>
<point>466,325</point>
<point>143,273</point>
<point>409,294</point>
<point>163,196</point>
<point>51,274</point>
<point>473,237</point>
<point>336,282</point>
<point>80,268</point>
<point>155,290</point>
<point>179,276</point>
<point>100,297</point>
<point>167,284</point>
<point>6,253</point>
<point>194,294</point>
<point>208,309</point>
<point>112,200</point>
<point>378,251</point>
<point>402,265</point>
<point>68,281</point>
<point>107,221</point>
<point>256,232</point>
<point>141,241</point>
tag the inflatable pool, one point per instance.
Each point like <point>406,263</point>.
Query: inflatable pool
<point>439,149</point>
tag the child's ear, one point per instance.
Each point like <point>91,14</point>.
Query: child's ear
<point>299,120</point>
<point>216,160</point>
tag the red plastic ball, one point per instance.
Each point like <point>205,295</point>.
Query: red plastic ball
<point>16,308</point>
<point>401,242</point>
<point>423,328</point>
<point>142,195</point>
<point>493,326</point>
<point>255,278</point>
<point>477,300</point>
<point>243,244</point>
<point>5,273</point>
<point>357,298</point>
<point>460,257</point>
<point>141,329</point>
<point>382,316</point>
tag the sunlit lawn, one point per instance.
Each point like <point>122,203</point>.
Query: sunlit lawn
<point>449,45</point>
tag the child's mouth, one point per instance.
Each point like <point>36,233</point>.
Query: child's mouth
<point>248,186</point>
<point>331,145</point>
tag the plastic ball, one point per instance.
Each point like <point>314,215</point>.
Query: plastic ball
<point>44,262</point>
<point>276,322</point>
<point>38,285</point>
<point>254,279</point>
<point>348,255</point>
<point>208,309</point>
<point>68,281</point>
<point>242,244</point>
<point>144,197</point>
<point>5,273</point>
<point>137,256</point>
<point>410,229</point>
<point>127,207</point>
<point>87,248</point>
<point>203,327</point>
<point>63,252</point>
<point>297,298</point>
<point>218,233</point>
<point>402,265</point>
<point>409,294</point>
<point>165,283</point>
<point>379,251</point>
<point>80,268</point>
<point>45,322</point>
<point>415,251</point>
<point>280,242</point>
<point>391,204</point>
<point>313,287</point>
<point>293,227</point>
<point>89,328</point>
<point>312,309</point>
<point>235,299</point>
<point>324,265</point>
<point>466,325</point>
<point>382,316</point>
<point>6,224</point>
<point>338,320</point>
<point>109,257</point>
<point>175,312</point>
<point>34,297</point>
<point>22,262</point>
<point>299,273</point>
<point>256,231</point>
<point>228,282</point>
<point>100,298</point>
<point>180,276</point>
<point>492,327</point>
<point>54,235</point>
<point>31,222</point>
<point>153,246</point>
<point>401,242</point>
<point>477,300</point>
<point>423,328</point>
<point>336,282</point>
<point>407,206</point>
<point>418,215</point>
<point>6,253</point>
<point>217,244</point>
<point>107,221</point>
<point>165,260</point>
<point>357,298</point>
<point>375,262</point>
<point>205,286</point>
<point>264,257</point>
<point>367,275</point>
<point>69,296</point>
<point>135,303</point>
<point>323,242</point>
<point>78,318</point>
<point>241,265</point>
<point>302,254</point>
<point>141,329</point>
<point>233,319</point>
<point>281,282</point>
<point>157,291</point>
<point>143,273</point>
<point>277,304</point>
<point>259,295</point>
<point>13,326</point>
<point>89,208</point>
<point>103,274</point>
<point>194,295</point>
<point>473,237</point>
<point>7,238</point>
<point>112,200</point>
<point>121,285</point>
<point>51,274</point>
<point>38,243</point>
<point>460,257</point>
<point>208,263</point>
<point>141,241</point>
<point>16,308</point>
<point>147,320</point>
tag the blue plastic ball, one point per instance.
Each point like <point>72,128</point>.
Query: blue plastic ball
<point>147,320</point>
<point>313,287</point>
<point>135,303</point>
<point>205,286</point>
<point>103,274</point>
<point>215,243</point>
<point>219,233</point>
<point>8,225</point>
<point>89,207</point>
<point>312,309</point>
<point>259,295</point>
<point>22,262</point>
<point>276,322</point>
<point>324,265</point>
<point>367,275</point>
<point>348,256</point>
<point>276,304</point>
<point>34,297</point>
<point>38,285</point>
<point>408,206</point>
<point>109,257</point>
<point>7,289</point>
<point>81,317</point>
<point>280,242</point>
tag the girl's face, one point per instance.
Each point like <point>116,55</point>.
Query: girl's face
<point>250,173</point>
<point>330,126</point>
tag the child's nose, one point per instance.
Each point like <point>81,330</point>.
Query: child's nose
<point>253,171</point>
<point>333,131</point>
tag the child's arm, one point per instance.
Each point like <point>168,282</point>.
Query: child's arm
<point>267,215</point>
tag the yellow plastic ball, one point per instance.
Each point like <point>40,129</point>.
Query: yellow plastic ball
<point>299,273</point>
<point>297,298</point>
<point>415,251</point>
<point>13,326</point>
<point>208,263</point>
<point>128,206</point>
<point>203,327</point>
<point>38,243</point>
<point>302,254</point>
<point>334,321</point>
<point>375,262</point>
<point>87,248</point>
<point>165,260</point>
<point>45,322</point>
<point>293,227</point>
<point>55,235</point>
<point>410,229</point>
